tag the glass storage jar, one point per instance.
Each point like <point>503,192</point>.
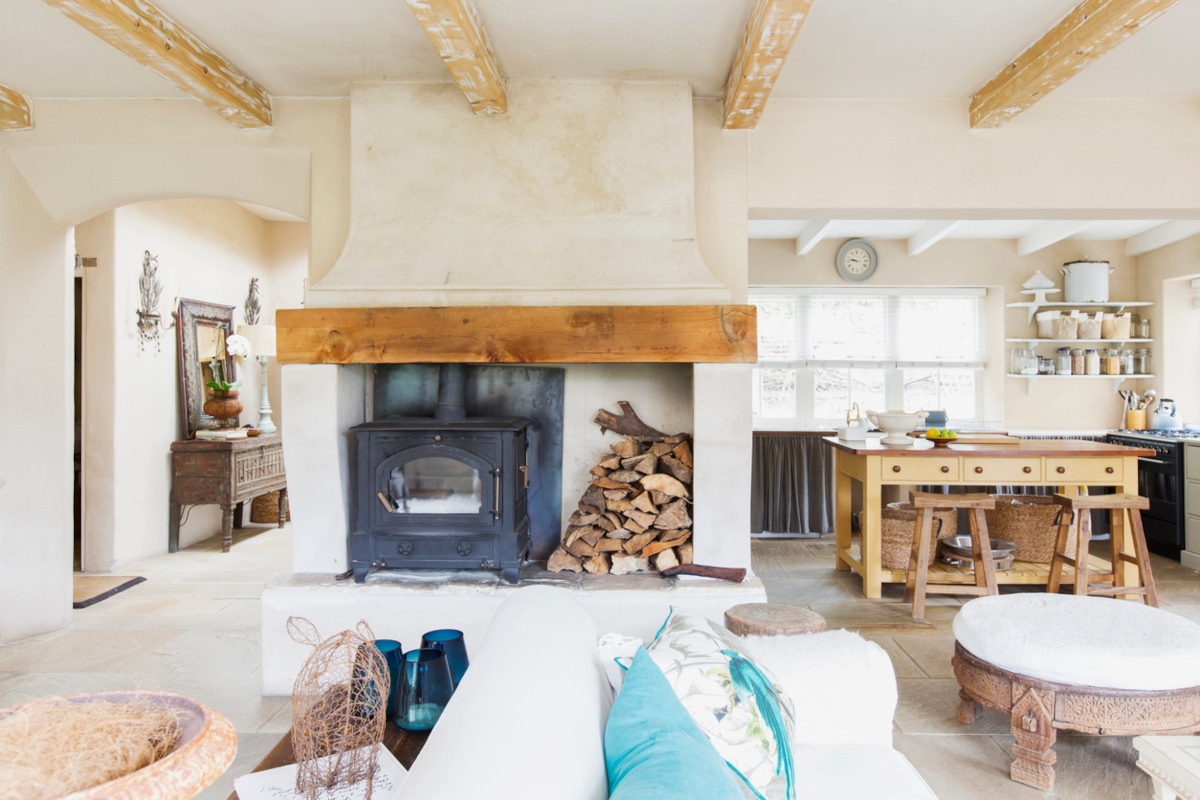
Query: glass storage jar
<point>1126,362</point>
<point>1092,362</point>
<point>1045,366</point>
<point>1140,328</point>
<point>1112,361</point>
<point>1141,361</point>
<point>1062,361</point>
<point>1076,361</point>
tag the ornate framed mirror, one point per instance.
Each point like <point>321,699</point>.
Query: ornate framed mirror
<point>202,328</point>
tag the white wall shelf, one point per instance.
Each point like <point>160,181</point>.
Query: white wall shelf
<point>1117,380</point>
<point>1033,341</point>
<point>1034,306</point>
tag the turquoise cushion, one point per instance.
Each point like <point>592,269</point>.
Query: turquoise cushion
<point>654,750</point>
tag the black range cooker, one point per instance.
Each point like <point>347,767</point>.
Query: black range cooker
<point>1161,478</point>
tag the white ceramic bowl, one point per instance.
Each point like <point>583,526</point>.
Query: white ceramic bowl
<point>896,424</point>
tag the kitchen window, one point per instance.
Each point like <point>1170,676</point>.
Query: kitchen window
<point>821,350</point>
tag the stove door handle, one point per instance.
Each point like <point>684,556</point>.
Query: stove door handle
<point>1152,461</point>
<point>496,510</point>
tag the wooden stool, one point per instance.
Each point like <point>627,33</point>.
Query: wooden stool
<point>772,619</point>
<point>1118,506</point>
<point>916,584</point>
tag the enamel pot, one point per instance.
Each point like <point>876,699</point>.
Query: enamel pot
<point>1085,281</point>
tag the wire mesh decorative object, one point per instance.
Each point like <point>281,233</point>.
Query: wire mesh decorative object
<point>339,708</point>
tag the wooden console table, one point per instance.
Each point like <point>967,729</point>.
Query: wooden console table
<point>227,473</point>
<point>1064,463</point>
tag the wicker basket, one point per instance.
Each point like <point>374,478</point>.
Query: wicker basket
<point>1027,521</point>
<point>265,509</point>
<point>898,520</point>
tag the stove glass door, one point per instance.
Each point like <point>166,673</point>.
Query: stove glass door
<point>435,485</point>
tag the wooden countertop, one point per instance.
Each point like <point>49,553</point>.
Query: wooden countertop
<point>1061,448</point>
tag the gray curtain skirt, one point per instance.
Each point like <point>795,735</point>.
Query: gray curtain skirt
<point>792,484</point>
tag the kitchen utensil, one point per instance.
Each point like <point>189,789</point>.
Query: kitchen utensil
<point>1135,420</point>
<point>1166,418</point>
<point>958,548</point>
<point>896,424</point>
<point>1085,281</point>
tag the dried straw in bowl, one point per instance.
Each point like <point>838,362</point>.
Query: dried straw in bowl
<point>55,747</point>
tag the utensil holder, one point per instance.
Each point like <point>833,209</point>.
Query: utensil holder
<point>1135,420</point>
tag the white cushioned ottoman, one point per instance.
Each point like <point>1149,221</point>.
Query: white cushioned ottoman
<point>1088,641</point>
<point>1072,662</point>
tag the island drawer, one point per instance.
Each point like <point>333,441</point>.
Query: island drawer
<point>1085,470</point>
<point>1002,470</point>
<point>919,469</point>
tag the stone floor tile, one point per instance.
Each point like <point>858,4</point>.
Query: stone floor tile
<point>238,697</point>
<point>169,605</point>
<point>824,590</point>
<point>11,680</point>
<point>930,706</point>
<point>902,663</point>
<point>767,568</point>
<point>872,618</point>
<point>252,607</point>
<point>66,684</point>
<point>932,653</point>
<point>88,651</point>
<point>160,588</point>
<point>1093,767</point>
<point>963,767</point>
<point>198,622</point>
<point>200,652</point>
<point>232,591</point>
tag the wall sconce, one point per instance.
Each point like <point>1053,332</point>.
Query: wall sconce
<point>149,291</point>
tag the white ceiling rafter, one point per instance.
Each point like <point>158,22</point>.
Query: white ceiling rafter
<point>930,234</point>
<point>812,234</point>
<point>1049,233</point>
<point>1163,235</point>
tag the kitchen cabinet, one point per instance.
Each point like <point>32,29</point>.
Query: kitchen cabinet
<point>1191,548</point>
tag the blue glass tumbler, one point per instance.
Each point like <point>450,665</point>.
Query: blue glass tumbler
<point>393,654</point>
<point>368,697</point>
<point>425,689</point>
<point>452,643</point>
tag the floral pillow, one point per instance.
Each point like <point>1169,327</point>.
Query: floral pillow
<point>740,706</point>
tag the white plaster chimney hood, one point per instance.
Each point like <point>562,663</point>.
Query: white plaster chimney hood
<point>582,194</point>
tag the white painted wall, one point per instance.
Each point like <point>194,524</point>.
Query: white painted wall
<point>1165,276</point>
<point>995,265</point>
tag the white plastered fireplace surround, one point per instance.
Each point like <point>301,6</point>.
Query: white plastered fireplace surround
<point>577,194</point>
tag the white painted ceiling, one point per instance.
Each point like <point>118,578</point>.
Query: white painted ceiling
<point>847,48</point>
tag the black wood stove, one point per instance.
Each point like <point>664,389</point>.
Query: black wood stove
<point>447,492</point>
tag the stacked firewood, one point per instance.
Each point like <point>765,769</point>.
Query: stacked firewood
<point>634,515</point>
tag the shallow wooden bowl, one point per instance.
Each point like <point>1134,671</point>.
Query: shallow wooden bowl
<point>941,441</point>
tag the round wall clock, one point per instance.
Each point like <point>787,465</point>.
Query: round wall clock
<point>857,260</point>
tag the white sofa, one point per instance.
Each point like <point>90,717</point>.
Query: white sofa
<point>528,719</point>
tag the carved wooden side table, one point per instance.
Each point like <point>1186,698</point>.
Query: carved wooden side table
<point>227,473</point>
<point>1173,764</point>
<point>1040,709</point>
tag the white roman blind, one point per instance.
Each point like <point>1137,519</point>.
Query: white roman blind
<point>884,328</point>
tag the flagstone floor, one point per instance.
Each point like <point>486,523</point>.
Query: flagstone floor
<point>193,628</point>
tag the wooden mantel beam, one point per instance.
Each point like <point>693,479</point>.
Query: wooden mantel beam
<point>518,335</point>
<point>455,30</point>
<point>1092,29</point>
<point>15,112</point>
<point>771,30</point>
<point>150,37</point>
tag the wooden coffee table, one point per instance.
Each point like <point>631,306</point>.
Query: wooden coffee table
<point>405,746</point>
<point>1173,763</point>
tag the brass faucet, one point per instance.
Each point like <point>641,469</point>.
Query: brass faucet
<point>857,420</point>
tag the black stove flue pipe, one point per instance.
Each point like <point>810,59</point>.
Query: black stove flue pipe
<point>451,392</point>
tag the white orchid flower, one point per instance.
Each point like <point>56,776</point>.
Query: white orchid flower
<point>237,346</point>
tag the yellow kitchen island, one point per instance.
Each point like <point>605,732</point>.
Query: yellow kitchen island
<point>1063,463</point>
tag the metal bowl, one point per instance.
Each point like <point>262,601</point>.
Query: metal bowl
<point>997,563</point>
<point>960,547</point>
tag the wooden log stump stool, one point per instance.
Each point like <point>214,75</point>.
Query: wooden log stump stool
<point>1120,507</point>
<point>916,582</point>
<point>772,619</point>
<point>1069,662</point>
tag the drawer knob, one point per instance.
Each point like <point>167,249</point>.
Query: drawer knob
<point>437,438</point>
<point>945,469</point>
<point>896,468</point>
<point>1061,470</point>
<point>1027,470</point>
<point>464,548</point>
<point>977,469</point>
<point>1109,470</point>
<point>405,548</point>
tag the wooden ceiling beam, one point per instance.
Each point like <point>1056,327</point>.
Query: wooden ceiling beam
<point>15,111</point>
<point>813,233</point>
<point>770,33</point>
<point>930,234</point>
<point>1161,236</point>
<point>1049,233</point>
<point>151,38</point>
<point>1092,29</point>
<point>455,30</point>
